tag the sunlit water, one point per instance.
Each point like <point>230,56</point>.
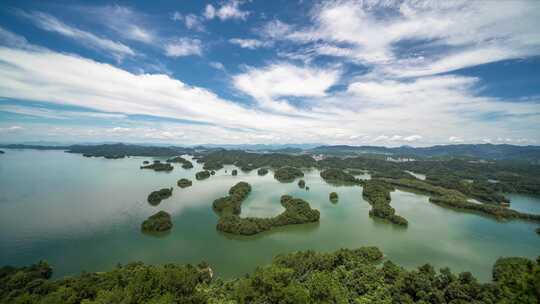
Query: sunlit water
<point>85,214</point>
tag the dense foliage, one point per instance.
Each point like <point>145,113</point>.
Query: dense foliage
<point>336,175</point>
<point>155,197</point>
<point>377,193</point>
<point>159,222</point>
<point>333,196</point>
<point>287,174</point>
<point>262,171</point>
<point>247,161</point>
<point>184,183</point>
<point>202,175</point>
<point>186,164</point>
<point>297,211</point>
<point>234,172</point>
<point>212,165</point>
<point>455,199</point>
<point>231,204</point>
<point>112,150</point>
<point>302,184</point>
<point>158,166</point>
<point>345,276</point>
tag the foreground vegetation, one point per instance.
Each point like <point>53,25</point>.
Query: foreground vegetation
<point>297,211</point>
<point>345,276</point>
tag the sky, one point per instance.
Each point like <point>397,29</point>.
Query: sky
<point>386,72</point>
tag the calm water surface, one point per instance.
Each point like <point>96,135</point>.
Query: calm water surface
<point>85,214</point>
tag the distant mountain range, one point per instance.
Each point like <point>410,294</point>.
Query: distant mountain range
<point>477,151</point>
<point>483,151</point>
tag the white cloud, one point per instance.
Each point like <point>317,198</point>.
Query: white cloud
<point>183,47</point>
<point>51,24</point>
<point>282,80</point>
<point>12,129</point>
<point>464,33</point>
<point>249,43</point>
<point>455,139</point>
<point>217,65</point>
<point>123,20</point>
<point>191,21</point>
<point>228,10</point>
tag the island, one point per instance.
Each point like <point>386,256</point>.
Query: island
<point>333,196</point>
<point>360,275</point>
<point>159,222</point>
<point>158,166</point>
<point>302,184</point>
<point>287,174</point>
<point>202,175</point>
<point>156,197</point>
<point>234,172</point>
<point>145,162</point>
<point>2,152</point>
<point>262,171</point>
<point>184,183</point>
<point>337,176</point>
<point>212,165</point>
<point>186,164</point>
<point>377,193</point>
<point>297,211</point>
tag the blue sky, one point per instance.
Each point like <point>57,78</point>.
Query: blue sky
<point>335,72</point>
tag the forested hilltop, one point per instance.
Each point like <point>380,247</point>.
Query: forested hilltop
<point>344,276</point>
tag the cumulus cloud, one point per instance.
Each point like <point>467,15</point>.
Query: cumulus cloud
<point>464,33</point>
<point>183,47</point>
<point>228,10</point>
<point>283,79</point>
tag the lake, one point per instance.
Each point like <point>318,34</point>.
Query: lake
<point>82,213</point>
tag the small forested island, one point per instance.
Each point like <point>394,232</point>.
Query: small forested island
<point>184,183</point>
<point>234,172</point>
<point>186,164</point>
<point>159,222</point>
<point>344,276</point>
<point>212,165</point>
<point>262,171</point>
<point>156,197</point>
<point>202,175</point>
<point>337,176</point>
<point>302,184</point>
<point>158,166</point>
<point>287,174</point>
<point>2,152</point>
<point>377,193</point>
<point>333,196</point>
<point>145,162</point>
<point>297,211</point>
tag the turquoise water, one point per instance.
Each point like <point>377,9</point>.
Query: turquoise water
<point>85,214</point>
